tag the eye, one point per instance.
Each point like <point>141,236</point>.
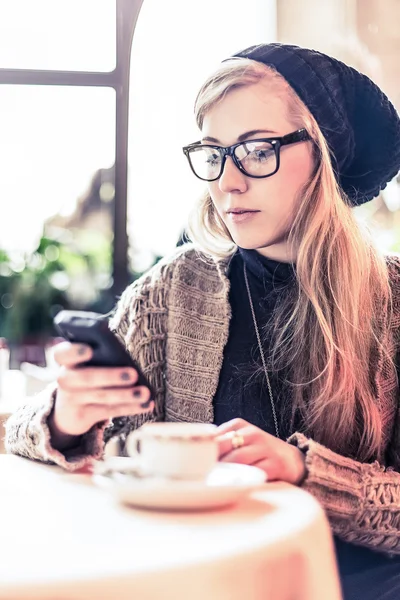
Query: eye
<point>255,152</point>
<point>261,155</point>
<point>213,159</point>
<point>260,151</point>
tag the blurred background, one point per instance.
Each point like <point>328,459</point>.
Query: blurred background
<point>96,101</point>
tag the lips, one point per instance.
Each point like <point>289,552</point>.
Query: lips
<point>241,215</point>
<point>240,211</point>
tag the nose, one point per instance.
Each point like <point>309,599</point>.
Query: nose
<point>232,180</point>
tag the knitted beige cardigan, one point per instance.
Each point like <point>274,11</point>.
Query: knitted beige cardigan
<point>175,322</point>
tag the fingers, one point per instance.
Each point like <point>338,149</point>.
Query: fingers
<point>88,378</point>
<point>70,355</point>
<point>241,442</point>
<point>83,417</point>
<point>133,396</point>
<point>225,443</point>
<point>232,425</point>
<point>277,458</point>
<point>76,411</point>
<point>271,468</point>
<point>290,467</point>
<point>102,412</point>
<point>246,455</point>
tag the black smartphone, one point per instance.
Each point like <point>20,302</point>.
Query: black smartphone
<point>91,328</point>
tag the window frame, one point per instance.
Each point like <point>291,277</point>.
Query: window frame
<point>127,13</point>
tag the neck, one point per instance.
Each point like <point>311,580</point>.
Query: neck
<point>278,252</point>
<point>268,270</point>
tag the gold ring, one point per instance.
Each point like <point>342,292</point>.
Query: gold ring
<point>237,440</point>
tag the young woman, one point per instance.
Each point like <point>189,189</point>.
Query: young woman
<point>280,323</point>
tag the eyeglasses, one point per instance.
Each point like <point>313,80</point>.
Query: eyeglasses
<point>255,158</point>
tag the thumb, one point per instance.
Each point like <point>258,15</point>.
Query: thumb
<point>69,355</point>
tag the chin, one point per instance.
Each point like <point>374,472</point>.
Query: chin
<point>247,244</point>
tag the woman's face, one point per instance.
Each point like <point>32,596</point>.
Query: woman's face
<point>249,113</point>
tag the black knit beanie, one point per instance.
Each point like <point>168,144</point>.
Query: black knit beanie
<point>359,122</point>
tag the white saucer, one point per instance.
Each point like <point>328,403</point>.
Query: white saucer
<point>225,485</point>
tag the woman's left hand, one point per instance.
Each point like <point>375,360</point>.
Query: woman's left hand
<point>241,442</point>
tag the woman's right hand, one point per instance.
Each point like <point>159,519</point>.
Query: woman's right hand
<point>89,395</point>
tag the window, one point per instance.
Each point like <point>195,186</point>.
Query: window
<point>57,155</point>
<point>64,129</point>
<point>53,140</point>
<point>168,64</point>
<point>73,35</point>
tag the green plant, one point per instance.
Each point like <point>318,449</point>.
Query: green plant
<point>68,269</point>
<point>34,287</point>
<point>28,294</point>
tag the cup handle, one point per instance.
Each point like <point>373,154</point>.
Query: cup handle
<point>132,444</point>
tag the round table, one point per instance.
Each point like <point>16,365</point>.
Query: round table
<point>62,537</point>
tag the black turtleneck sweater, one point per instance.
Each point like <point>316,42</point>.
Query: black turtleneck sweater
<point>242,392</point>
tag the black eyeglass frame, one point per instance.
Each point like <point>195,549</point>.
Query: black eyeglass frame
<point>300,135</point>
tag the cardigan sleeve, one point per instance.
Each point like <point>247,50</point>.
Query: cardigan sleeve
<point>362,501</point>
<point>139,321</point>
<point>27,434</point>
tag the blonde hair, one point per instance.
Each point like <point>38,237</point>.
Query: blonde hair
<point>326,331</point>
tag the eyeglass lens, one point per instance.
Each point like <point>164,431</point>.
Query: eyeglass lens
<point>256,158</point>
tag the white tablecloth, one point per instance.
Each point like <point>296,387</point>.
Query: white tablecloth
<point>64,538</point>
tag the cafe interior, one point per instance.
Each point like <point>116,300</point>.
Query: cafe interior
<point>96,103</point>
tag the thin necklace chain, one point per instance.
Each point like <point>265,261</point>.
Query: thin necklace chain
<point>261,351</point>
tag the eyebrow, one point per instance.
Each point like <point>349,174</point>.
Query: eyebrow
<point>241,137</point>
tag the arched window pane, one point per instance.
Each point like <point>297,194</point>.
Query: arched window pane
<point>168,65</point>
<point>57,153</point>
<point>53,140</point>
<point>72,35</point>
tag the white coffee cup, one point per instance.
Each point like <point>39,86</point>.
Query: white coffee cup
<point>174,450</point>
